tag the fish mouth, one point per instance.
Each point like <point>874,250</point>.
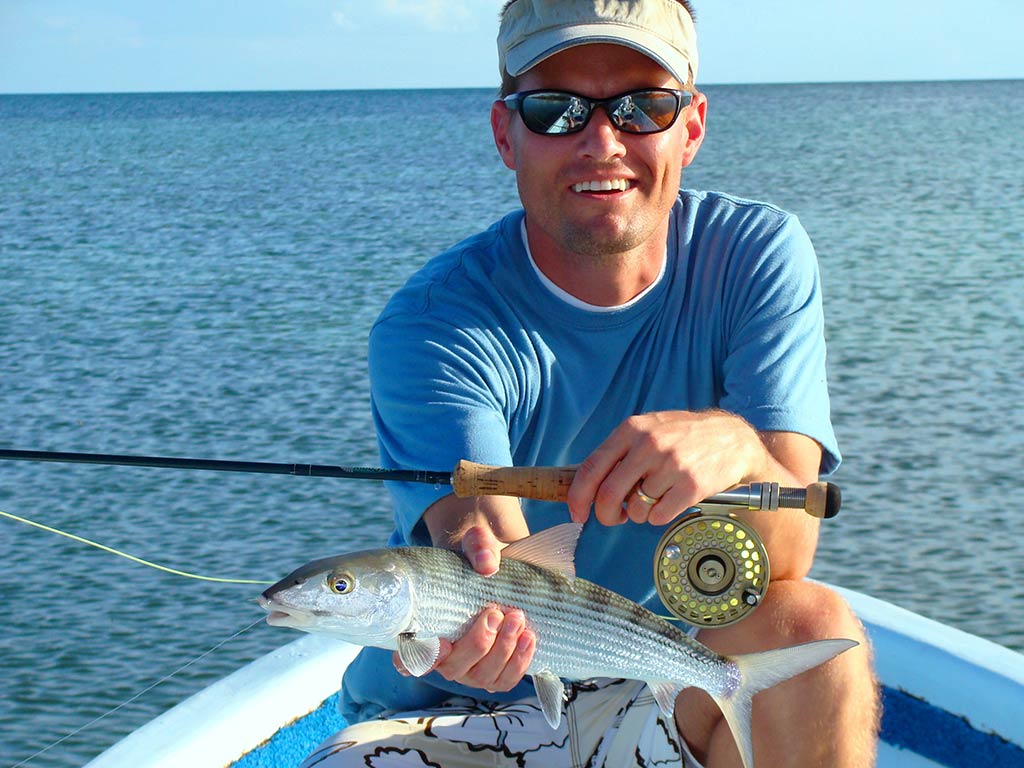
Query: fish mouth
<point>279,615</point>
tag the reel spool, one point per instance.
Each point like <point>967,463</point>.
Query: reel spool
<point>710,570</point>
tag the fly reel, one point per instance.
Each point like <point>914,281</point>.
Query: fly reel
<point>710,570</point>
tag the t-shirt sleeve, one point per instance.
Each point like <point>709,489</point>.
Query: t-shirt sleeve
<point>437,397</point>
<point>774,370</point>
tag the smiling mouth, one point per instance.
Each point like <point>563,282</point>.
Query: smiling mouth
<point>602,185</point>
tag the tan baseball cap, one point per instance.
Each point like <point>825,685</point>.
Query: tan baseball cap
<point>533,30</point>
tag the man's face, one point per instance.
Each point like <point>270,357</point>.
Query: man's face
<point>552,171</point>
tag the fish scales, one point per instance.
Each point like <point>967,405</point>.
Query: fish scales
<point>410,597</point>
<point>582,629</point>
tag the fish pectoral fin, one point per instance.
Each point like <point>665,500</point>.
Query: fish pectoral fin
<point>418,654</point>
<point>551,693</point>
<point>665,693</point>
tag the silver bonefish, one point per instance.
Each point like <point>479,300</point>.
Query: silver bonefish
<point>408,598</point>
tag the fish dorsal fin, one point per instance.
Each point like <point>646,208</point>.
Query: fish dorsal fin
<point>553,549</point>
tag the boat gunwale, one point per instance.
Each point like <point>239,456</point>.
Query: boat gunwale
<point>960,686</point>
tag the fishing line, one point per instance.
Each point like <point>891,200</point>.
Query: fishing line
<point>125,555</point>
<point>138,695</point>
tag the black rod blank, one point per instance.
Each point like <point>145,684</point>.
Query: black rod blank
<point>216,465</point>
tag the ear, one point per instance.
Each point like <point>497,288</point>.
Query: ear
<point>501,127</point>
<point>695,121</point>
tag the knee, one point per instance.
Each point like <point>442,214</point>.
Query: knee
<point>808,611</point>
<point>792,612</point>
<point>802,611</point>
<point>795,612</point>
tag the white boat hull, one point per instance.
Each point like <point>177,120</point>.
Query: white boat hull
<point>950,698</point>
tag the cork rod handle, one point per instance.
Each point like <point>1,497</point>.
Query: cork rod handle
<point>552,484</point>
<point>544,483</point>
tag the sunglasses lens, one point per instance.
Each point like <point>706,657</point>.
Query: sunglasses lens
<point>554,112</point>
<point>645,111</point>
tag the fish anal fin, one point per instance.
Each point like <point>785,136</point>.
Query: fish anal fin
<point>418,654</point>
<point>551,694</point>
<point>553,549</point>
<point>665,693</point>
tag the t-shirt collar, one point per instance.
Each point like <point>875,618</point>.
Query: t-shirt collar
<point>573,301</point>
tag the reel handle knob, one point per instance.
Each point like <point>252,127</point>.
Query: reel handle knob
<point>821,500</point>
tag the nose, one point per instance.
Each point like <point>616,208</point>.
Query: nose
<point>600,140</point>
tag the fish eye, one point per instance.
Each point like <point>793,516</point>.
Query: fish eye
<point>341,583</point>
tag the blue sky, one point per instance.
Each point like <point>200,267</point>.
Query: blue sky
<point>63,46</point>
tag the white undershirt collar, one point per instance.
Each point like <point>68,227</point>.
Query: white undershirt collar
<point>573,301</point>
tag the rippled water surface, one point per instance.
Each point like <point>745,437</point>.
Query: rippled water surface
<point>195,275</point>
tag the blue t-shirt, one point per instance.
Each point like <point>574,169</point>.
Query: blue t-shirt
<point>476,358</point>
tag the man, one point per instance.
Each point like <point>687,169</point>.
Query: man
<point>669,343</point>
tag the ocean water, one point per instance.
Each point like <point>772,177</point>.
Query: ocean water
<point>196,274</point>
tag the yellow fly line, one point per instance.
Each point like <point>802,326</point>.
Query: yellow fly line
<point>125,555</point>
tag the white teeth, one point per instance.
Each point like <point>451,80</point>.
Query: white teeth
<point>605,185</point>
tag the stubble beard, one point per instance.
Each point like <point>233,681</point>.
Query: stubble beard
<point>591,245</point>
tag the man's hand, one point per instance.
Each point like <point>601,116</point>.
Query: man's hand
<point>496,650</point>
<point>675,457</point>
<point>655,466</point>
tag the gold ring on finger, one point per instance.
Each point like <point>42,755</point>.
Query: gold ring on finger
<point>652,500</point>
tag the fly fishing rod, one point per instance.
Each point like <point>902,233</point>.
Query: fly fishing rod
<point>710,569</point>
<point>466,479</point>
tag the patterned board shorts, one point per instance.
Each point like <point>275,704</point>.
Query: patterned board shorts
<point>606,724</point>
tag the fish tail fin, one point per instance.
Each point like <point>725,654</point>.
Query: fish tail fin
<point>758,671</point>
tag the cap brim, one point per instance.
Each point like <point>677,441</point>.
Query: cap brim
<point>543,45</point>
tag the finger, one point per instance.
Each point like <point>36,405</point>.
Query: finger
<point>637,466</point>
<point>671,505</point>
<point>519,662</point>
<point>643,500</point>
<point>591,473</point>
<point>483,549</point>
<point>617,499</point>
<point>638,510</point>
<point>608,497</point>
<point>468,650</point>
<point>682,492</point>
<point>492,671</point>
<point>609,515</point>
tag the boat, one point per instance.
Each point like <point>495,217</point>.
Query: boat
<point>949,699</point>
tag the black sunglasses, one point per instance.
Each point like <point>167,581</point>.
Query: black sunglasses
<point>556,113</point>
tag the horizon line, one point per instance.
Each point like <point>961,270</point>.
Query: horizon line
<point>186,91</point>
